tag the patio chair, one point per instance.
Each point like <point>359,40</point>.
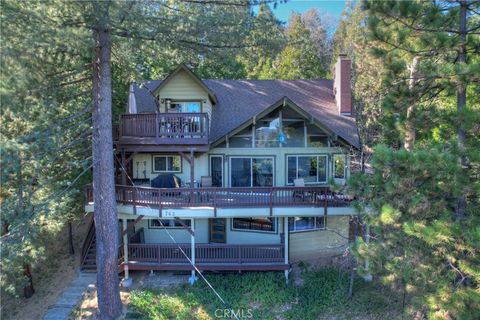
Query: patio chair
<point>302,195</point>
<point>206,182</point>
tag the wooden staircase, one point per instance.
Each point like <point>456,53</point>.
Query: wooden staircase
<point>88,262</point>
<point>89,250</point>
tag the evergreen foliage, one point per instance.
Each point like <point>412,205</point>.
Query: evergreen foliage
<point>46,95</point>
<point>420,245</point>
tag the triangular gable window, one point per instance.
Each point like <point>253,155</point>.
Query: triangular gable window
<point>282,127</point>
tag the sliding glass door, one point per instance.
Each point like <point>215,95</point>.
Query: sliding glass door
<point>251,171</point>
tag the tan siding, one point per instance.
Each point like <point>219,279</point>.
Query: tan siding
<point>314,245</point>
<point>182,86</point>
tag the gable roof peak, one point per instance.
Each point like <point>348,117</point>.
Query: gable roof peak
<point>184,67</point>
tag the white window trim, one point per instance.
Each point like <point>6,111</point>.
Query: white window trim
<point>274,223</point>
<point>166,171</point>
<point>184,102</point>
<point>308,230</point>
<point>150,226</point>
<point>296,165</point>
<point>251,168</point>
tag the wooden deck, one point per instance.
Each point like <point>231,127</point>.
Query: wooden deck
<point>212,257</point>
<point>162,129</point>
<point>260,197</point>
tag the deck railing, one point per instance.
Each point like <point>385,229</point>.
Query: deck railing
<point>266,197</point>
<point>164,128</point>
<point>206,253</point>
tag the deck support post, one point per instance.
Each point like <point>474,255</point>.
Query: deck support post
<point>127,281</point>
<point>191,161</point>
<point>193,278</point>
<point>192,169</point>
<point>285,241</point>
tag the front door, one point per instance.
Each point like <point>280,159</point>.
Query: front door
<point>217,230</point>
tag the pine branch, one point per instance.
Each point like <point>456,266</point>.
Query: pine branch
<point>16,229</point>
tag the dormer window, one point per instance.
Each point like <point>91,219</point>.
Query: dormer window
<point>176,106</point>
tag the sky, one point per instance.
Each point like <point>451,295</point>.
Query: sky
<point>329,7</point>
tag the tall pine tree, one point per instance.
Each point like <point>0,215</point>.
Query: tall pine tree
<point>428,168</point>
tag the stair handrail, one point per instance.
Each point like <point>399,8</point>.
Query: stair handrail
<point>88,241</point>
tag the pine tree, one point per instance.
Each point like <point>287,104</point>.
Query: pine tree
<point>57,68</point>
<point>266,38</point>
<point>298,59</point>
<point>421,247</point>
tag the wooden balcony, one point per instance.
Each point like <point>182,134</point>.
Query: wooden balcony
<point>256,197</point>
<point>218,257</point>
<point>162,129</point>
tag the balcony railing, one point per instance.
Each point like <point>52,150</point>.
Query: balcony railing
<point>162,128</point>
<point>264,197</point>
<point>156,253</point>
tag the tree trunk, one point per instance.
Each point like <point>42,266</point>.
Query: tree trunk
<point>410,134</point>
<point>461,104</point>
<point>354,260</point>
<point>105,213</point>
<point>28,290</point>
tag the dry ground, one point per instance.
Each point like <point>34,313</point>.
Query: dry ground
<point>49,279</point>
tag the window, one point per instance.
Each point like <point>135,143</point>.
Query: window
<point>316,137</point>
<point>251,172</point>
<point>243,139</point>
<point>183,106</point>
<point>168,223</point>
<point>216,170</point>
<point>313,169</point>
<point>294,131</point>
<point>167,164</point>
<point>339,166</point>
<point>317,141</point>
<point>255,224</point>
<point>267,133</point>
<point>306,223</point>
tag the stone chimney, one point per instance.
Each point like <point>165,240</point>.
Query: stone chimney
<point>342,87</point>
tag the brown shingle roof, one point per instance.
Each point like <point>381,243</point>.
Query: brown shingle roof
<point>238,101</point>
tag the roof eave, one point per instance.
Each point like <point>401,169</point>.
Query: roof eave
<point>197,79</point>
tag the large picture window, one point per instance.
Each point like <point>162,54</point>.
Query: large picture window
<point>166,163</point>
<point>251,171</point>
<point>311,168</point>
<point>255,224</point>
<point>267,132</point>
<point>168,223</point>
<point>184,106</point>
<point>306,223</point>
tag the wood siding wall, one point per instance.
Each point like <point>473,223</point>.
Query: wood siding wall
<point>311,246</point>
<point>182,86</point>
<point>202,162</point>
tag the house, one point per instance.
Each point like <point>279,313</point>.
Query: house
<point>232,174</point>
